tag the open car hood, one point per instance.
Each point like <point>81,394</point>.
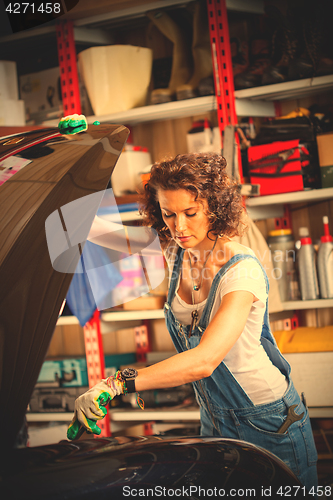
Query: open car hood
<point>52,170</point>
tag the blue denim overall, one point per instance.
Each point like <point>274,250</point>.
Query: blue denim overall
<point>225,408</point>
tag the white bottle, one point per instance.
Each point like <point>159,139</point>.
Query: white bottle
<point>325,263</point>
<point>307,267</point>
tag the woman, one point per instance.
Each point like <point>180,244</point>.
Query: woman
<point>217,315</point>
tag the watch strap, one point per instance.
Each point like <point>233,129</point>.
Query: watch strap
<point>130,385</point>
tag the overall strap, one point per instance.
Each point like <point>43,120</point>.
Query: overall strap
<point>175,274</point>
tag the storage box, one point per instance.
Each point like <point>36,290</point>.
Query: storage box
<point>312,373</point>
<point>325,153</point>
<point>41,92</point>
<point>145,302</point>
<point>119,341</point>
<point>12,112</point>
<point>305,339</point>
<point>67,340</point>
<point>160,339</point>
<point>8,81</point>
<point>309,351</point>
<point>276,167</point>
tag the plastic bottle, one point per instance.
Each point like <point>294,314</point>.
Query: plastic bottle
<point>282,245</point>
<point>325,263</point>
<point>307,267</point>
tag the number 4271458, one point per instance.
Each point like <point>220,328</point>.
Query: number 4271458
<point>315,491</point>
<point>45,8</point>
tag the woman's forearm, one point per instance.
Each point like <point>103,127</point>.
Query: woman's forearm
<point>182,368</point>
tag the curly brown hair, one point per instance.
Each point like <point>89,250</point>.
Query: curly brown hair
<point>203,174</point>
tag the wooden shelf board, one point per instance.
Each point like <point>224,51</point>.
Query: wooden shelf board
<point>295,197</point>
<point>307,304</point>
<point>287,90</point>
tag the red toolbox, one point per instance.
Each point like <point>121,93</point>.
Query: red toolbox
<point>277,167</point>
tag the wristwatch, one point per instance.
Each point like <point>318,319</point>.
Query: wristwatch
<point>129,375</point>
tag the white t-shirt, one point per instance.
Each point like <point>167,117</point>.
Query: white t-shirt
<point>247,360</point>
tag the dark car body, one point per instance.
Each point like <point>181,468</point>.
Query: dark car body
<point>116,468</point>
<point>60,170</point>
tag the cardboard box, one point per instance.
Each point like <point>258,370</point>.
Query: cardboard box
<point>8,81</point>
<point>312,373</point>
<point>325,153</point>
<point>12,112</point>
<point>41,92</point>
<point>110,342</point>
<point>67,340</point>
<point>125,340</point>
<point>305,339</point>
<point>145,302</point>
<point>119,341</point>
<point>73,340</point>
<point>160,339</point>
<point>309,351</point>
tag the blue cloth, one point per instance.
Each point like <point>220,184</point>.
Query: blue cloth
<point>103,277</point>
<point>225,408</point>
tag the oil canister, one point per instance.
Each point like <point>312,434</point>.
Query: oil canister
<point>325,263</point>
<point>307,271</point>
<point>282,245</point>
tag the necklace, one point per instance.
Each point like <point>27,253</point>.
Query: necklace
<point>197,287</point>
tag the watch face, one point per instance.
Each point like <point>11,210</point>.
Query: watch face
<point>129,373</point>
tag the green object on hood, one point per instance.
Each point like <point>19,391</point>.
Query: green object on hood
<point>72,124</point>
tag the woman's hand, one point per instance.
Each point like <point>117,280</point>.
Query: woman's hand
<point>90,407</point>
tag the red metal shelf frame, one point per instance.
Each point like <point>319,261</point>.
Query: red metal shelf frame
<point>222,69</point>
<point>68,68</point>
<point>222,62</point>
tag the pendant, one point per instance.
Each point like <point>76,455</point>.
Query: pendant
<point>196,287</point>
<point>193,322</point>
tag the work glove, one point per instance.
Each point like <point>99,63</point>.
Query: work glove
<point>91,406</point>
<point>72,124</point>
